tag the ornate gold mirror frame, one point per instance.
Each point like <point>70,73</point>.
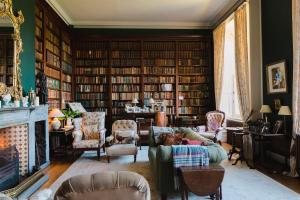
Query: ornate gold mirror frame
<point>6,10</point>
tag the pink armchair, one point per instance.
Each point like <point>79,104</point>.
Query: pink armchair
<point>213,129</point>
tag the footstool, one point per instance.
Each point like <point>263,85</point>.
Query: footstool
<point>121,150</point>
<point>202,181</point>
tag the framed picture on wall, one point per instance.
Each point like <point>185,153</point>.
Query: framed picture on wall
<point>276,77</point>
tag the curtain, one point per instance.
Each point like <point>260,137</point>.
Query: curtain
<point>242,63</point>
<point>219,38</point>
<point>296,84</point>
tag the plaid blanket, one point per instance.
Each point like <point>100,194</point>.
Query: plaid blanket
<point>188,156</point>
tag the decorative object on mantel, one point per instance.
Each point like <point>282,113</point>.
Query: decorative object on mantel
<point>55,114</point>
<point>285,111</point>
<point>265,109</point>
<point>6,98</point>
<point>42,89</point>
<point>276,77</point>
<point>31,96</point>
<point>25,101</point>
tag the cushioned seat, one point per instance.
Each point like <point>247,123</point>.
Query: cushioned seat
<point>105,185</point>
<point>86,144</point>
<point>121,150</point>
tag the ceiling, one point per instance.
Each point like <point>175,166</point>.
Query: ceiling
<point>169,14</point>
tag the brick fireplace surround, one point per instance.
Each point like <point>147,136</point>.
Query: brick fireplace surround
<point>17,127</point>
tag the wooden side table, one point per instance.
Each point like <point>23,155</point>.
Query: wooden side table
<point>202,181</point>
<point>59,141</point>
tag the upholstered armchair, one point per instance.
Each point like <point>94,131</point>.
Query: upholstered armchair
<point>89,132</point>
<point>213,129</point>
<point>123,139</point>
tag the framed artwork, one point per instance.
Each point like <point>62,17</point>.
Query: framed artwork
<point>276,77</point>
<point>278,127</point>
<point>277,104</point>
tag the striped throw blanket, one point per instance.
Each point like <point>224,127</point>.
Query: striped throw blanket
<point>188,156</point>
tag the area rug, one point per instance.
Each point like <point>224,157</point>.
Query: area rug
<point>240,182</point>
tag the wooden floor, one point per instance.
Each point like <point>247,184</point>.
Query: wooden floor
<point>58,167</point>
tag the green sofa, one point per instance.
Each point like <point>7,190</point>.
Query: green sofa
<point>161,160</point>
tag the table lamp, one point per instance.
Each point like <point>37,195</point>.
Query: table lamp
<point>134,101</point>
<point>285,111</point>
<point>55,114</point>
<point>264,110</point>
<point>152,102</point>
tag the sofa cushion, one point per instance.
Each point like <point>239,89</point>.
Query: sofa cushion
<point>86,144</point>
<point>121,149</point>
<point>169,139</point>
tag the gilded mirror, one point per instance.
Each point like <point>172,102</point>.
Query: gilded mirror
<point>10,49</point>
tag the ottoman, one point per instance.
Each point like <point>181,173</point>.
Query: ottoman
<point>121,150</point>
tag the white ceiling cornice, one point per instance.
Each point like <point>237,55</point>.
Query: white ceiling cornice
<point>135,24</point>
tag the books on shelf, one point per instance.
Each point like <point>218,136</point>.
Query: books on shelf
<point>125,88</point>
<point>55,94</point>
<point>125,62</point>
<point>90,96</point>
<point>194,94</point>
<point>131,70</point>
<point>191,62</point>
<point>160,62</point>
<point>160,70</point>
<point>66,67</point>
<point>67,96</point>
<point>124,96</point>
<point>159,54</point>
<point>66,78</point>
<point>194,70</point>
<point>126,45</point>
<point>192,110</point>
<point>125,79</point>
<point>126,54</point>
<point>187,45</point>
<point>67,87</point>
<point>159,95</point>
<point>186,87</point>
<point>52,72</point>
<point>193,79</point>
<point>92,63</point>
<point>91,70</point>
<point>91,80</point>
<point>93,103</point>
<point>91,54</point>
<point>91,88</point>
<point>53,83</point>
<point>153,79</point>
<point>53,103</point>
<point>194,102</point>
<point>163,45</point>
<point>52,59</point>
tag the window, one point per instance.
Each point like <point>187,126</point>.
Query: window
<point>229,97</point>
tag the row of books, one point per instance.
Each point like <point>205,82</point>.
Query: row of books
<point>52,26</point>
<point>66,67</point>
<point>131,70</point>
<point>66,87</point>
<point>53,103</point>
<point>191,62</point>
<point>66,78</point>
<point>66,47</point>
<point>38,22</point>
<point>194,102</point>
<point>91,96</point>
<point>6,70</point>
<point>160,54</point>
<point>91,54</point>
<point>91,80</point>
<point>171,111</point>
<point>38,12</point>
<point>125,88</point>
<point>159,62</point>
<point>159,45</point>
<point>52,72</point>
<point>196,94</point>
<point>39,65</point>
<point>118,111</point>
<point>52,37</point>
<point>124,96</point>
<point>126,54</point>
<point>125,62</point>
<point>160,70</point>
<point>125,79</point>
<point>53,60</point>
<point>119,103</point>
<point>188,88</point>
<point>38,45</point>
<point>91,88</point>
<point>67,96</point>
<point>93,103</point>
<point>66,57</point>
<point>55,94</point>
<point>192,45</point>
<point>169,102</point>
<point>159,95</point>
<point>193,79</point>
<point>155,88</point>
<point>191,110</point>
<point>38,32</point>
<point>53,83</point>
<point>126,45</point>
<point>165,79</point>
<point>97,109</point>
<point>90,63</point>
<point>193,54</point>
<point>91,70</point>
<point>53,48</point>
<point>192,70</point>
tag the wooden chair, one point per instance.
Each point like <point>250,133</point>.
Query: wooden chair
<point>143,130</point>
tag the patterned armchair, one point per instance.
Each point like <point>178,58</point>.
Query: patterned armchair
<point>89,132</point>
<point>123,139</point>
<point>213,129</point>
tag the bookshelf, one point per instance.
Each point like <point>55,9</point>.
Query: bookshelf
<point>6,59</point>
<point>53,55</point>
<point>110,72</point>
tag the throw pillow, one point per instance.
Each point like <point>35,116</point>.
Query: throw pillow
<point>169,139</point>
<point>91,132</point>
<point>124,136</point>
<point>187,141</point>
<point>157,131</point>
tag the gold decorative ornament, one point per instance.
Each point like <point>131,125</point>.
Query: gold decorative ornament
<point>6,10</point>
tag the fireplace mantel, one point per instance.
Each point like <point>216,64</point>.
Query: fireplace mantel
<point>10,117</point>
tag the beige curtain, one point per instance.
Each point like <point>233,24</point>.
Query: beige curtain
<point>242,63</point>
<point>296,84</point>
<point>219,37</point>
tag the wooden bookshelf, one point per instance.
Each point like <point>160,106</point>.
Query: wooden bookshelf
<point>53,55</point>
<point>111,72</point>
<point>6,59</point>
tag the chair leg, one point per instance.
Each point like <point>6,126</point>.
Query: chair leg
<point>108,159</point>
<point>103,147</point>
<point>98,153</point>
<point>135,158</point>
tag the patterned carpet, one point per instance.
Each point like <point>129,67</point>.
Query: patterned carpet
<point>240,182</point>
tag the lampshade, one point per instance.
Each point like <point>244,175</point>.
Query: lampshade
<point>265,109</point>
<point>55,112</point>
<point>135,100</point>
<point>151,101</point>
<point>284,110</point>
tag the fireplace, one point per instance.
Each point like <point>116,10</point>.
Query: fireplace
<point>9,167</point>
<point>41,144</point>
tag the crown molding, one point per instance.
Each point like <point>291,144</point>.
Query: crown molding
<point>60,11</point>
